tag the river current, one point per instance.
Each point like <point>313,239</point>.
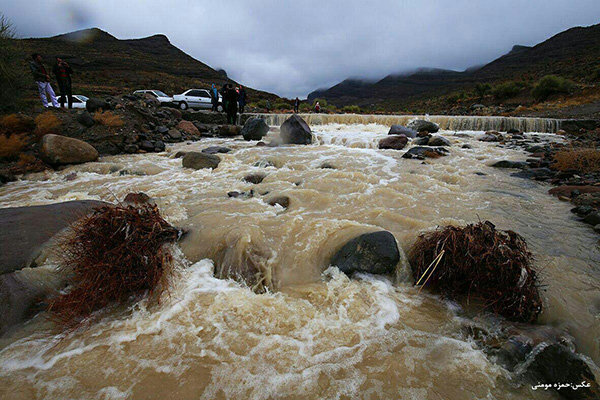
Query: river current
<point>315,333</point>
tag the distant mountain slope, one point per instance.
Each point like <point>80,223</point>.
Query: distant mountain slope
<point>104,64</point>
<point>574,53</point>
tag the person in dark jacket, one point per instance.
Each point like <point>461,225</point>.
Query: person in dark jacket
<point>42,80</point>
<point>230,97</point>
<point>62,70</point>
<point>296,105</point>
<point>222,92</point>
<point>214,97</point>
<point>242,99</point>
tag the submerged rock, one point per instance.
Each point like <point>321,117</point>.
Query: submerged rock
<point>216,150</point>
<point>374,253</point>
<point>228,130</point>
<point>18,299</point>
<point>283,201</point>
<point>295,131</point>
<point>254,178</point>
<point>198,160</point>
<point>420,125</point>
<point>402,130</point>
<point>510,164</point>
<point>61,150</point>
<point>393,142</point>
<point>422,152</point>
<point>255,129</point>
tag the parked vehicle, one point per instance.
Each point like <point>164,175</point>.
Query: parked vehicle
<point>163,98</point>
<point>196,99</point>
<point>79,101</point>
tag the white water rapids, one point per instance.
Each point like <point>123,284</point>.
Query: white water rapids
<point>320,335</point>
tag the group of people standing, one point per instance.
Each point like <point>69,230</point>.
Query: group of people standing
<point>234,100</point>
<point>62,71</point>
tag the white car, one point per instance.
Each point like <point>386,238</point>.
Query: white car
<point>79,101</point>
<point>163,98</point>
<point>196,98</point>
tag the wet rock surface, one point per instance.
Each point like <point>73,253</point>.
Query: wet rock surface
<point>397,142</point>
<point>255,129</point>
<point>196,160</point>
<point>295,131</point>
<point>374,253</point>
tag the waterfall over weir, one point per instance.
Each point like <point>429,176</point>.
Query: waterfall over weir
<point>451,123</point>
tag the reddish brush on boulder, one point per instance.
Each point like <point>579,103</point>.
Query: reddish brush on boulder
<point>113,254</point>
<point>480,264</point>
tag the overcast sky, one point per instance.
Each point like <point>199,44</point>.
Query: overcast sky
<point>293,47</point>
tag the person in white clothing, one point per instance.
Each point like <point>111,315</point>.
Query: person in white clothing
<point>42,80</point>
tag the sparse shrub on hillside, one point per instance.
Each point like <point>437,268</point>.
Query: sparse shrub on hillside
<point>482,89</point>
<point>351,109</point>
<point>582,160</point>
<point>304,108</point>
<point>47,123</point>
<point>109,119</point>
<point>261,104</point>
<point>281,106</point>
<point>11,146</point>
<point>507,90</point>
<point>12,75</point>
<point>550,85</point>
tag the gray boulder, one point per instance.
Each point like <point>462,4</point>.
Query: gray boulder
<point>94,104</point>
<point>420,125</point>
<point>22,240</point>
<point>196,160</point>
<point>397,142</point>
<point>402,130</point>
<point>295,131</point>
<point>255,129</point>
<point>374,253</point>
<point>438,141</point>
<point>61,150</point>
<point>85,119</point>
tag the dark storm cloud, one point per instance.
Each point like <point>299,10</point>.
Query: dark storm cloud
<point>292,48</point>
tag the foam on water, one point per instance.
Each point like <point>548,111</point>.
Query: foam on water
<point>316,333</point>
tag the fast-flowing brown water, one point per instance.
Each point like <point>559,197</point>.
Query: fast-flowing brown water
<point>319,334</point>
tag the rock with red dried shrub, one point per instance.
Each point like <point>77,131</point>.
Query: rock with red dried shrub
<point>113,254</point>
<point>482,265</point>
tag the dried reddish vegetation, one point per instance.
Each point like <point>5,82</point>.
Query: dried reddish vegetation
<point>480,264</point>
<point>109,119</point>
<point>115,253</point>
<point>582,160</point>
<point>11,146</point>
<point>46,123</point>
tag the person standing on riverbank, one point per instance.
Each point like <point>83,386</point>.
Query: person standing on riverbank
<point>62,70</point>
<point>296,105</point>
<point>242,99</point>
<point>214,97</point>
<point>42,80</point>
<point>317,107</point>
<point>230,97</point>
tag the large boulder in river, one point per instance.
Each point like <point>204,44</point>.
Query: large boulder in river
<point>61,150</point>
<point>255,129</point>
<point>420,125</point>
<point>25,230</point>
<point>295,131</point>
<point>196,160</point>
<point>375,253</point>
<point>402,130</point>
<point>397,142</point>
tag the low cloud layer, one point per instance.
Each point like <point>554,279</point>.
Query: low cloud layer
<point>292,48</point>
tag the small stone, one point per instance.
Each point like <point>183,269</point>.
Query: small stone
<point>283,201</point>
